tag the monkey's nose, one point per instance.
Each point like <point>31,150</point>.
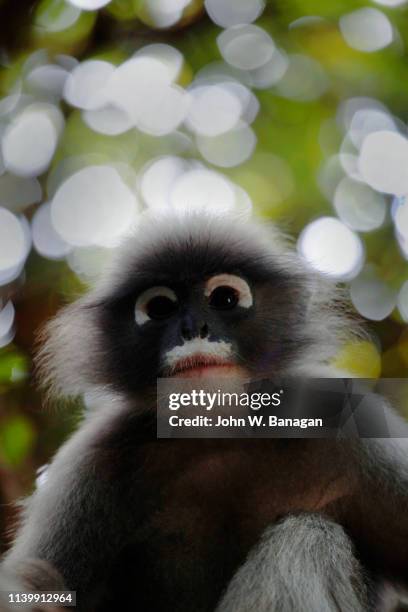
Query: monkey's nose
<point>204,331</point>
<point>186,333</point>
<point>192,329</point>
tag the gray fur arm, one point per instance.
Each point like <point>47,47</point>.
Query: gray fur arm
<point>34,575</point>
<point>305,562</point>
<point>70,522</point>
<point>378,519</point>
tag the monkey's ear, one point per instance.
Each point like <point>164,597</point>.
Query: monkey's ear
<point>68,346</point>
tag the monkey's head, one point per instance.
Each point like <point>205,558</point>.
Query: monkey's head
<point>193,296</point>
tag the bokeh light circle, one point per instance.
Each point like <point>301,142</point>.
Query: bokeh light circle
<point>86,85</point>
<point>157,179</point>
<point>371,296</point>
<point>143,87</point>
<point>47,80</point>
<point>46,241</point>
<point>169,56</point>
<point>214,110</point>
<point>401,220</point>
<point>226,13</point>
<point>403,301</point>
<point>359,206</point>
<point>7,327</point>
<point>332,248</point>
<point>202,190</point>
<point>246,46</point>
<point>93,207</point>
<point>89,5</point>
<point>367,121</point>
<point>229,149</point>
<point>13,241</point>
<point>30,140</point>
<point>366,29</point>
<point>383,162</point>
<point>7,314</point>
<point>108,120</point>
<point>270,73</point>
<point>391,3</point>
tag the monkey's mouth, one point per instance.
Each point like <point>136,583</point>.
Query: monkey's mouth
<point>200,365</point>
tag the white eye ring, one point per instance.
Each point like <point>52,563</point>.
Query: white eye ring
<point>236,282</point>
<point>144,298</point>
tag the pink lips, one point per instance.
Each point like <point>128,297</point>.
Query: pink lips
<point>200,365</point>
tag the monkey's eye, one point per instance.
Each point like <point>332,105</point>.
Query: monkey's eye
<point>156,303</point>
<point>224,298</point>
<point>226,291</point>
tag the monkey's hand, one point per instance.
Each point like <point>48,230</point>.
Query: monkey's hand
<point>305,562</point>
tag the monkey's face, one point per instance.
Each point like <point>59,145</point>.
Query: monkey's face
<point>197,305</point>
<point>196,338</point>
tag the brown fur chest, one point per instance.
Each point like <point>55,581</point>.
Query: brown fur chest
<point>211,490</point>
